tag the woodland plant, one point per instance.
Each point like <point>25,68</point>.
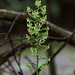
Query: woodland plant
<point>38,32</point>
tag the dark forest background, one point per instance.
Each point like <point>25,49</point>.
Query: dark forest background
<point>60,12</point>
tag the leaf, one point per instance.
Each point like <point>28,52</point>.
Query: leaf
<point>27,64</point>
<point>27,37</point>
<point>32,63</point>
<point>43,66</point>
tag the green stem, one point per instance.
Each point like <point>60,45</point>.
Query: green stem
<point>37,57</point>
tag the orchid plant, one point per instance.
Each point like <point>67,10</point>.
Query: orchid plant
<point>37,32</point>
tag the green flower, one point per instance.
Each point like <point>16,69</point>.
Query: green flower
<point>43,10</point>
<point>35,14</point>
<point>38,3</point>
<point>28,9</point>
<point>43,19</point>
<point>37,31</point>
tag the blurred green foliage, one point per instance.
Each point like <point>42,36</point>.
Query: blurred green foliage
<point>18,5</point>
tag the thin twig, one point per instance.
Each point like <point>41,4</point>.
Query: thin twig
<point>3,33</point>
<point>21,72</point>
<point>54,55</point>
<point>50,37</point>
<point>15,39</point>
<point>12,25</point>
<point>18,63</point>
<point>7,67</point>
<point>13,49</point>
<point>13,70</point>
<point>8,53</point>
<point>58,38</point>
<point>29,60</point>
